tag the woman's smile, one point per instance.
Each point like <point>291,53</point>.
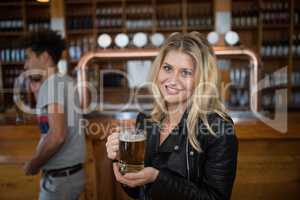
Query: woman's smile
<point>171,90</point>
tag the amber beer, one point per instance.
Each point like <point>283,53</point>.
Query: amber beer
<point>132,150</point>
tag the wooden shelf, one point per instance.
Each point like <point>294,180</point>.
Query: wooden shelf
<point>85,15</point>
<point>12,63</point>
<point>169,29</point>
<point>275,26</point>
<point>109,1</point>
<point>78,2</point>
<point>297,26</point>
<point>111,15</point>
<point>245,28</point>
<point>276,58</point>
<point>109,30</point>
<point>12,33</point>
<point>37,4</point>
<point>295,87</point>
<point>200,28</point>
<point>80,31</point>
<point>10,3</point>
<point>293,108</point>
<point>273,88</point>
<point>134,30</point>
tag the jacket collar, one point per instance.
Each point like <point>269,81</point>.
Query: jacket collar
<point>175,141</point>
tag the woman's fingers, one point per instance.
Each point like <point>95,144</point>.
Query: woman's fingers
<point>134,176</point>
<point>112,145</point>
<point>114,148</point>
<point>117,173</point>
<point>120,178</point>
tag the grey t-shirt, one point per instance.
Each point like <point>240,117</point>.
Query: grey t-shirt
<point>61,89</point>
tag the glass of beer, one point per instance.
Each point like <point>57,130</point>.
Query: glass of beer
<point>132,149</point>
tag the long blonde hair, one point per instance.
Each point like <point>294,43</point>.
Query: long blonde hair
<point>205,98</point>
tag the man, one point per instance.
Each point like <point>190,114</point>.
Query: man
<point>61,151</point>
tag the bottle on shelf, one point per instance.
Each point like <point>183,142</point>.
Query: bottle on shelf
<point>275,12</point>
<point>11,25</point>
<point>295,78</point>
<point>9,55</point>
<point>77,47</point>
<point>80,23</point>
<point>35,25</point>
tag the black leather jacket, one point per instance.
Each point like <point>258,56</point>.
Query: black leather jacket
<point>205,175</point>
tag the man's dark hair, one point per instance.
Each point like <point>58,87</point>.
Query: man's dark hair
<point>45,41</point>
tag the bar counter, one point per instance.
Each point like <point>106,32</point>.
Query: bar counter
<point>268,162</point>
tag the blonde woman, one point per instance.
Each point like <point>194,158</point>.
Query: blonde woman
<point>191,148</point>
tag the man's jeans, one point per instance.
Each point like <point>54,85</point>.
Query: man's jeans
<point>62,188</point>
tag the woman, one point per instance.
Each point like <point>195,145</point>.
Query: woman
<point>191,148</point>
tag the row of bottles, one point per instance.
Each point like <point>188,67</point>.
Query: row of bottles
<point>272,48</point>
<point>13,25</point>
<point>74,23</point>
<point>269,100</point>
<point>169,22</point>
<point>275,12</point>
<point>203,21</point>
<point>295,78</point>
<point>239,77</point>
<point>8,55</point>
<point>79,46</point>
<point>86,23</point>
<point>139,23</point>
<point>109,23</point>
<point>276,78</point>
<point>139,10</point>
<point>297,16</point>
<point>10,75</point>
<point>247,18</point>
<point>35,25</point>
<point>239,80</point>
<point>296,45</point>
<point>108,11</point>
<point>18,25</point>
<point>239,98</point>
<point>130,10</point>
<point>295,99</point>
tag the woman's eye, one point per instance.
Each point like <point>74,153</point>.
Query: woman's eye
<point>167,68</point>
<point>186,73</point>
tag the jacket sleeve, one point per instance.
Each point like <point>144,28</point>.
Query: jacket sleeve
<point>132,192</point>
<point>218,172</point>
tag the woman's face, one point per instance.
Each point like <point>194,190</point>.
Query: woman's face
<point>176,77</point>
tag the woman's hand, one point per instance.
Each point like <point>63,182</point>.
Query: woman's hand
<point>112,145</point>
<point>146,175</point>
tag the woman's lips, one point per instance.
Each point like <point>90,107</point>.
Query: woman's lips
<point>171,90</point>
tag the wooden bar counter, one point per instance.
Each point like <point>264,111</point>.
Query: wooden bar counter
<point>268,163</point>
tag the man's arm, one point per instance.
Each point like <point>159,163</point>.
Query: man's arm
<point>52,141</point>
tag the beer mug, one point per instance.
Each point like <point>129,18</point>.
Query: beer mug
<point>131,149</point>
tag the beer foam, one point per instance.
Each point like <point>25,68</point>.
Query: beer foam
<point>127,136</point>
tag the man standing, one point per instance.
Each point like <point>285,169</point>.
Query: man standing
<point>60,153</point>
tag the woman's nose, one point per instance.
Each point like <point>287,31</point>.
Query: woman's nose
<point>174,78</point>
